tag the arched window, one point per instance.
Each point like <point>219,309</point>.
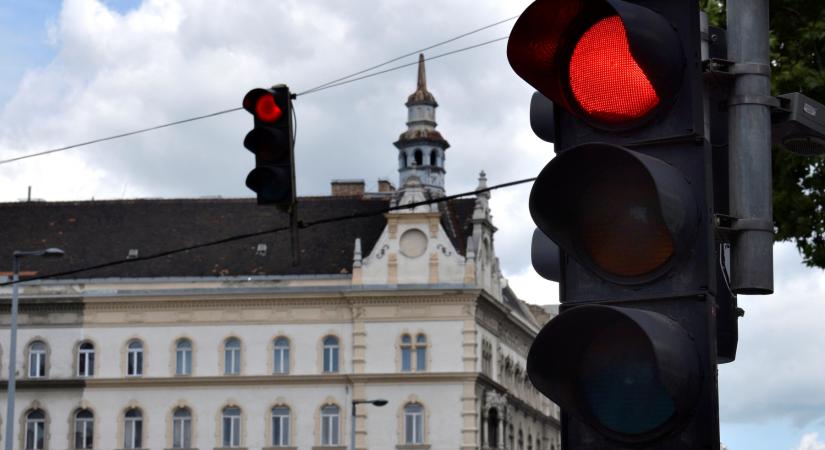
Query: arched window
<point>330,354</point>
<point>406,353</point>
<point>492,428</point>
<point>433,158</point>
<point>231,427</point>
<point>280,357</point>
<point>280,426</point>
<point>402,160</point>
<point>520,440</point>
<point>330,425</point>
<point>84,423</point>
<point>232,356</point>
<point>134,363</point>
<point>37,359</point>
<point>421,352</point>
<point>133,429</point>
<point>413,424</point>
<point>182,428</point>
<point>36,430</point>
<point>419,157</point>
<point>183,357</point>
<point>86,360</point>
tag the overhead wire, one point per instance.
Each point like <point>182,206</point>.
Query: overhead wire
<point>237,237</point>
<point>330,84</point>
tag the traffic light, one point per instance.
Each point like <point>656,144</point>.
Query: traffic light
<point>631,359</point>
<point>273,177</point>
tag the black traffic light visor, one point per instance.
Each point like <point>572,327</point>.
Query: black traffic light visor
<point>624,215</point>
<point>543,39</point>
<point>631,374</point>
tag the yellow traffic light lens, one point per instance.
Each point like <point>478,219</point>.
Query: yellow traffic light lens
<point>621,226</point>
<point>605,78</point>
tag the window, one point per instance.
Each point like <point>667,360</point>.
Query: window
<point>280,361</point>
<point>183,357</point>
<point>182,428</point>
<point>413,357</point>
<point>520,440</point>
<point>486,357</point>
<point>84,426</point>
<point>330,423</point>
<point>492,428</point>
<point>86,360</point>
<point>432,158</point>
<point>414,424</point>
<point>280,426</point>
<point>419,157</point>
<point>36,430</point>
<point>330,354</point>
<point>232,356</point>
<point>133,429</point>
<point>421,352</point>
<point>231,426</point>
<point>134,358</point>
<point>37,359</point>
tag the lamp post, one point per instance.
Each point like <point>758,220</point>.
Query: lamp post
<point>378,402</point>
<point>15,265</point>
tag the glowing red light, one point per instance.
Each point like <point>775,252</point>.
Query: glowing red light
<point>606,80</point>
<point>266,109</point>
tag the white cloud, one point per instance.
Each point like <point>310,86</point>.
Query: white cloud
<point>811,441</point>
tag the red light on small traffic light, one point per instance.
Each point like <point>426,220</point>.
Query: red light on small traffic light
<point>266,109</point>
<point>605,79</point>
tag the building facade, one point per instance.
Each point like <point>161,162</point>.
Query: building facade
<point>238,346</point>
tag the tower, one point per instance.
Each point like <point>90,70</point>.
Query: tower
<point>421,149</point>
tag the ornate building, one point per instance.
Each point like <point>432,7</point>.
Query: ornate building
<point>234,346</point>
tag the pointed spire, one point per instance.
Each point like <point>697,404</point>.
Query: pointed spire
<point>422,74</point>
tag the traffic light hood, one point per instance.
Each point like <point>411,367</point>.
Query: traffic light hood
<point>631,374</point>
<point>624,215</point>
<point>541,49</point>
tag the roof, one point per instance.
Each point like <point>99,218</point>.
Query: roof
<point>96,232</point>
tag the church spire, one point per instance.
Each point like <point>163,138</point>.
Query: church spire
<point>422,74</point>
<point>421,96</point>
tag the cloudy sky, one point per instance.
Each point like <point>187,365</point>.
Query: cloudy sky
<point>78,70</point>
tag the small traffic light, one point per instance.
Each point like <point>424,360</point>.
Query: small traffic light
<point>631,359</point>
<point>271,140</point>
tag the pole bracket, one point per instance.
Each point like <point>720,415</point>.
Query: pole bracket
<point>764,100</point>
<point>727,226</point>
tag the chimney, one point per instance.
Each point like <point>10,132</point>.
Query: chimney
<point>384,185</point>
<point>347,188</point>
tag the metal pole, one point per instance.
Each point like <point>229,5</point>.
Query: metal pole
<point>750,147</point>
<point>9,437</point>
<point>352,427</point>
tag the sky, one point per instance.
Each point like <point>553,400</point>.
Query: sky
<point>78,70</point>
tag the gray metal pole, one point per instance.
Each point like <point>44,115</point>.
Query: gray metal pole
<point>750,147</point>
<point>10,393</point>
<point>352,427</point>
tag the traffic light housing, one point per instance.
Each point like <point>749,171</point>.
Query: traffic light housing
<point>631,359</point>
<point>271,140</point>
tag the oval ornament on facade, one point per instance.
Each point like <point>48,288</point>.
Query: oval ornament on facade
<point>413,243</point>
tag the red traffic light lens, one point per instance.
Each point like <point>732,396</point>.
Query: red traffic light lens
<point>266,109</point>
<point>605,79</point>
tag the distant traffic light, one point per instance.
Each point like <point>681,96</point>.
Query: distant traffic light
<point>631,359</point>
<point>271,140</point>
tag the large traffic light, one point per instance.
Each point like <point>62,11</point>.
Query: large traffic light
<point>273,177</point>
<point>631,359</point>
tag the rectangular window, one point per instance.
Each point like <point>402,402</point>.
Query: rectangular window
<point>86,363</point>
<point>281,360</point>
<point>183,362</point>
<point>329,427</point>
<point>135,363</point>
<point>83,433</point>
<point>133,433</point>
<point>421,359</point>
<point>232,361</point>
<point>331,359</point>
<point>280,427</point>
<point>37,364</point>
<point>231,431</point>
<point>406,359</point>
<point>182,432</point>
<point>35,434</point>
<point>413,425</point>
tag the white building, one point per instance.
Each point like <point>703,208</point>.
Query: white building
<point>234,346</point>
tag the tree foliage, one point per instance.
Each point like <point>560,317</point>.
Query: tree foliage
<point>798,65</point>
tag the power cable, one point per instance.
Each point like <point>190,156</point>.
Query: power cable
<point>330,84</point>
<point>301,225</point>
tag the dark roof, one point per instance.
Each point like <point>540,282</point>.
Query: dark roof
<point>96,232</point>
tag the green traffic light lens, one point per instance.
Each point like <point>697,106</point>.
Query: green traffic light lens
<point>620,383</point>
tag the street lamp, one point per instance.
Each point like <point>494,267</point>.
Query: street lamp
<point>378,402</point>
<point>15,264</point>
